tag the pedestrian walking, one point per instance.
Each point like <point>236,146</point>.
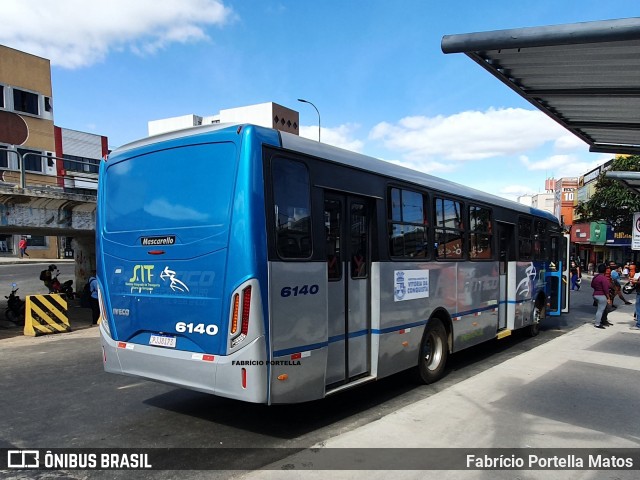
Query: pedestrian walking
<point>617,285</point>
<point>22,245</point>
<point>575,276</point>
<point>636,282</point>
<point>95,305</point>
<point>600,285</point>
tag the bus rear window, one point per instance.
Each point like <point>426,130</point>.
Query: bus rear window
<point>180,187</point>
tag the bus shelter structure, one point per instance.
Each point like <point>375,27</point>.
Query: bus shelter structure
<point>585,76</point>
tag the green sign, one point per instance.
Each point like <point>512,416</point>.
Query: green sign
<point>598,233</point>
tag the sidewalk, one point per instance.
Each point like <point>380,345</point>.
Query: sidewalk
<point>579,390</point>
<point>8,259</point>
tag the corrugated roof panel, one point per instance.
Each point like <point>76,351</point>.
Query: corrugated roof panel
<point>586,76</point>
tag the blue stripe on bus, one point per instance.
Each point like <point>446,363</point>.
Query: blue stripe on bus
<point>290,351</point>
<point>396,328</point>
<point>358,334</point>
<point>381,331</point>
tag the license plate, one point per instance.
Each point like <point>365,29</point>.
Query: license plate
<point>162,341</point>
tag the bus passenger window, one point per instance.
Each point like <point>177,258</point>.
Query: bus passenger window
<point>480,237</point>
<point>408,224</point>
<point>291,195</point>
<point>449,229</point>
<point>525,244</point>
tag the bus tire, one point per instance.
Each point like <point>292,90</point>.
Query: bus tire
<point>434,352</point>
<point>537,315</point>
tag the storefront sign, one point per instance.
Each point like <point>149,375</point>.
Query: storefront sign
<point>635,240</point>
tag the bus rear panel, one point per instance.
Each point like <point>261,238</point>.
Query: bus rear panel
<point>181,297</point>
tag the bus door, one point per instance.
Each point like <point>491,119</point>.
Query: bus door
<point>566,275</point>
<point>553,279</point>
<point>506,249</point>
<point>557,277</point>
<point>347,228</point>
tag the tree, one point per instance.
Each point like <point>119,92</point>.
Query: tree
<point>612,202</point>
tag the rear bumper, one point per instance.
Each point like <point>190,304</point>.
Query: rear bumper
<point>216,374</point>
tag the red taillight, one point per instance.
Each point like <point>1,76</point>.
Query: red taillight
<point>246,307</point>
<point>244,378</point>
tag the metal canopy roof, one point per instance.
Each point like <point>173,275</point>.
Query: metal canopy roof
<point>631,180</point>
<point>586,76</point>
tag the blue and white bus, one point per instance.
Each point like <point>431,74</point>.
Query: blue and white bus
<point>260,266</point>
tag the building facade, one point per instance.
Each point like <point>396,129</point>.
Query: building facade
<point>31,145</point>
<point>564,203</point>
<point>270,115</point>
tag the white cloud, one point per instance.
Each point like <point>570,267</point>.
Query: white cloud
<point>77,33</point>
<point>342,136</point>
<point>431,167</point>
<point>470,135</point>
<point>570,142</point>
<point>560,166</point>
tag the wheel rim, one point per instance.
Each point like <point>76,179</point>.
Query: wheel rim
<point>537,315</point>
<point>433,351</point>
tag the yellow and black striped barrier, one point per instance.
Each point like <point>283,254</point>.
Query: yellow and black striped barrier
<point>45,314</point>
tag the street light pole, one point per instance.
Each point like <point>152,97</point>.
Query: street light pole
<point>307,101</point>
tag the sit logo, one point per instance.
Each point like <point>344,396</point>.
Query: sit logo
<point>142,273</point>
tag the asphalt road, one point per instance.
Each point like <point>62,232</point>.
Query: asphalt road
<point>56,395</point>
<point>27,276</point>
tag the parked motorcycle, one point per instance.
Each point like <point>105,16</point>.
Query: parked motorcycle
<point>15,307</point>
<point>65,288</point>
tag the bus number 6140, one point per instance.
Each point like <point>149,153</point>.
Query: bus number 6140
<point>299,290</point>
<point>182,327</point>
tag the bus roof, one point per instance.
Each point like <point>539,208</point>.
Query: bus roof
<point>364,162</point>
<point>322,150</point>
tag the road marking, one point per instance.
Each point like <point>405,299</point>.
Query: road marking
<point>132,385</point>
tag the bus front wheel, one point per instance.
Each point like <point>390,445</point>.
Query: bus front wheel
<point>434,352</point>
<point>537,316</point>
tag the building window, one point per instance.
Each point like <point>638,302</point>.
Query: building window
<point>47,104</point>
<point>32,159</point>
<point>37,241</point>
<point>449,229</point>
<point>480,233</point>
<point>25,102</point>
<point>407,224</point>
<point>4,157</point>
<point>1,96</point>
<point>73,163</point>
<point>292,198</point>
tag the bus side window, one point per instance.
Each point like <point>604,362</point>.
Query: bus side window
<point>292,208</point>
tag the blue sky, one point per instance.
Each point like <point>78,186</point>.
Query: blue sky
<point>373,68</point>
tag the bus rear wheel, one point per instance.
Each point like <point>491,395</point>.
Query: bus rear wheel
<point>434,352</point>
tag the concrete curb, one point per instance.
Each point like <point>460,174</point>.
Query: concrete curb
<point>543,398</point>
